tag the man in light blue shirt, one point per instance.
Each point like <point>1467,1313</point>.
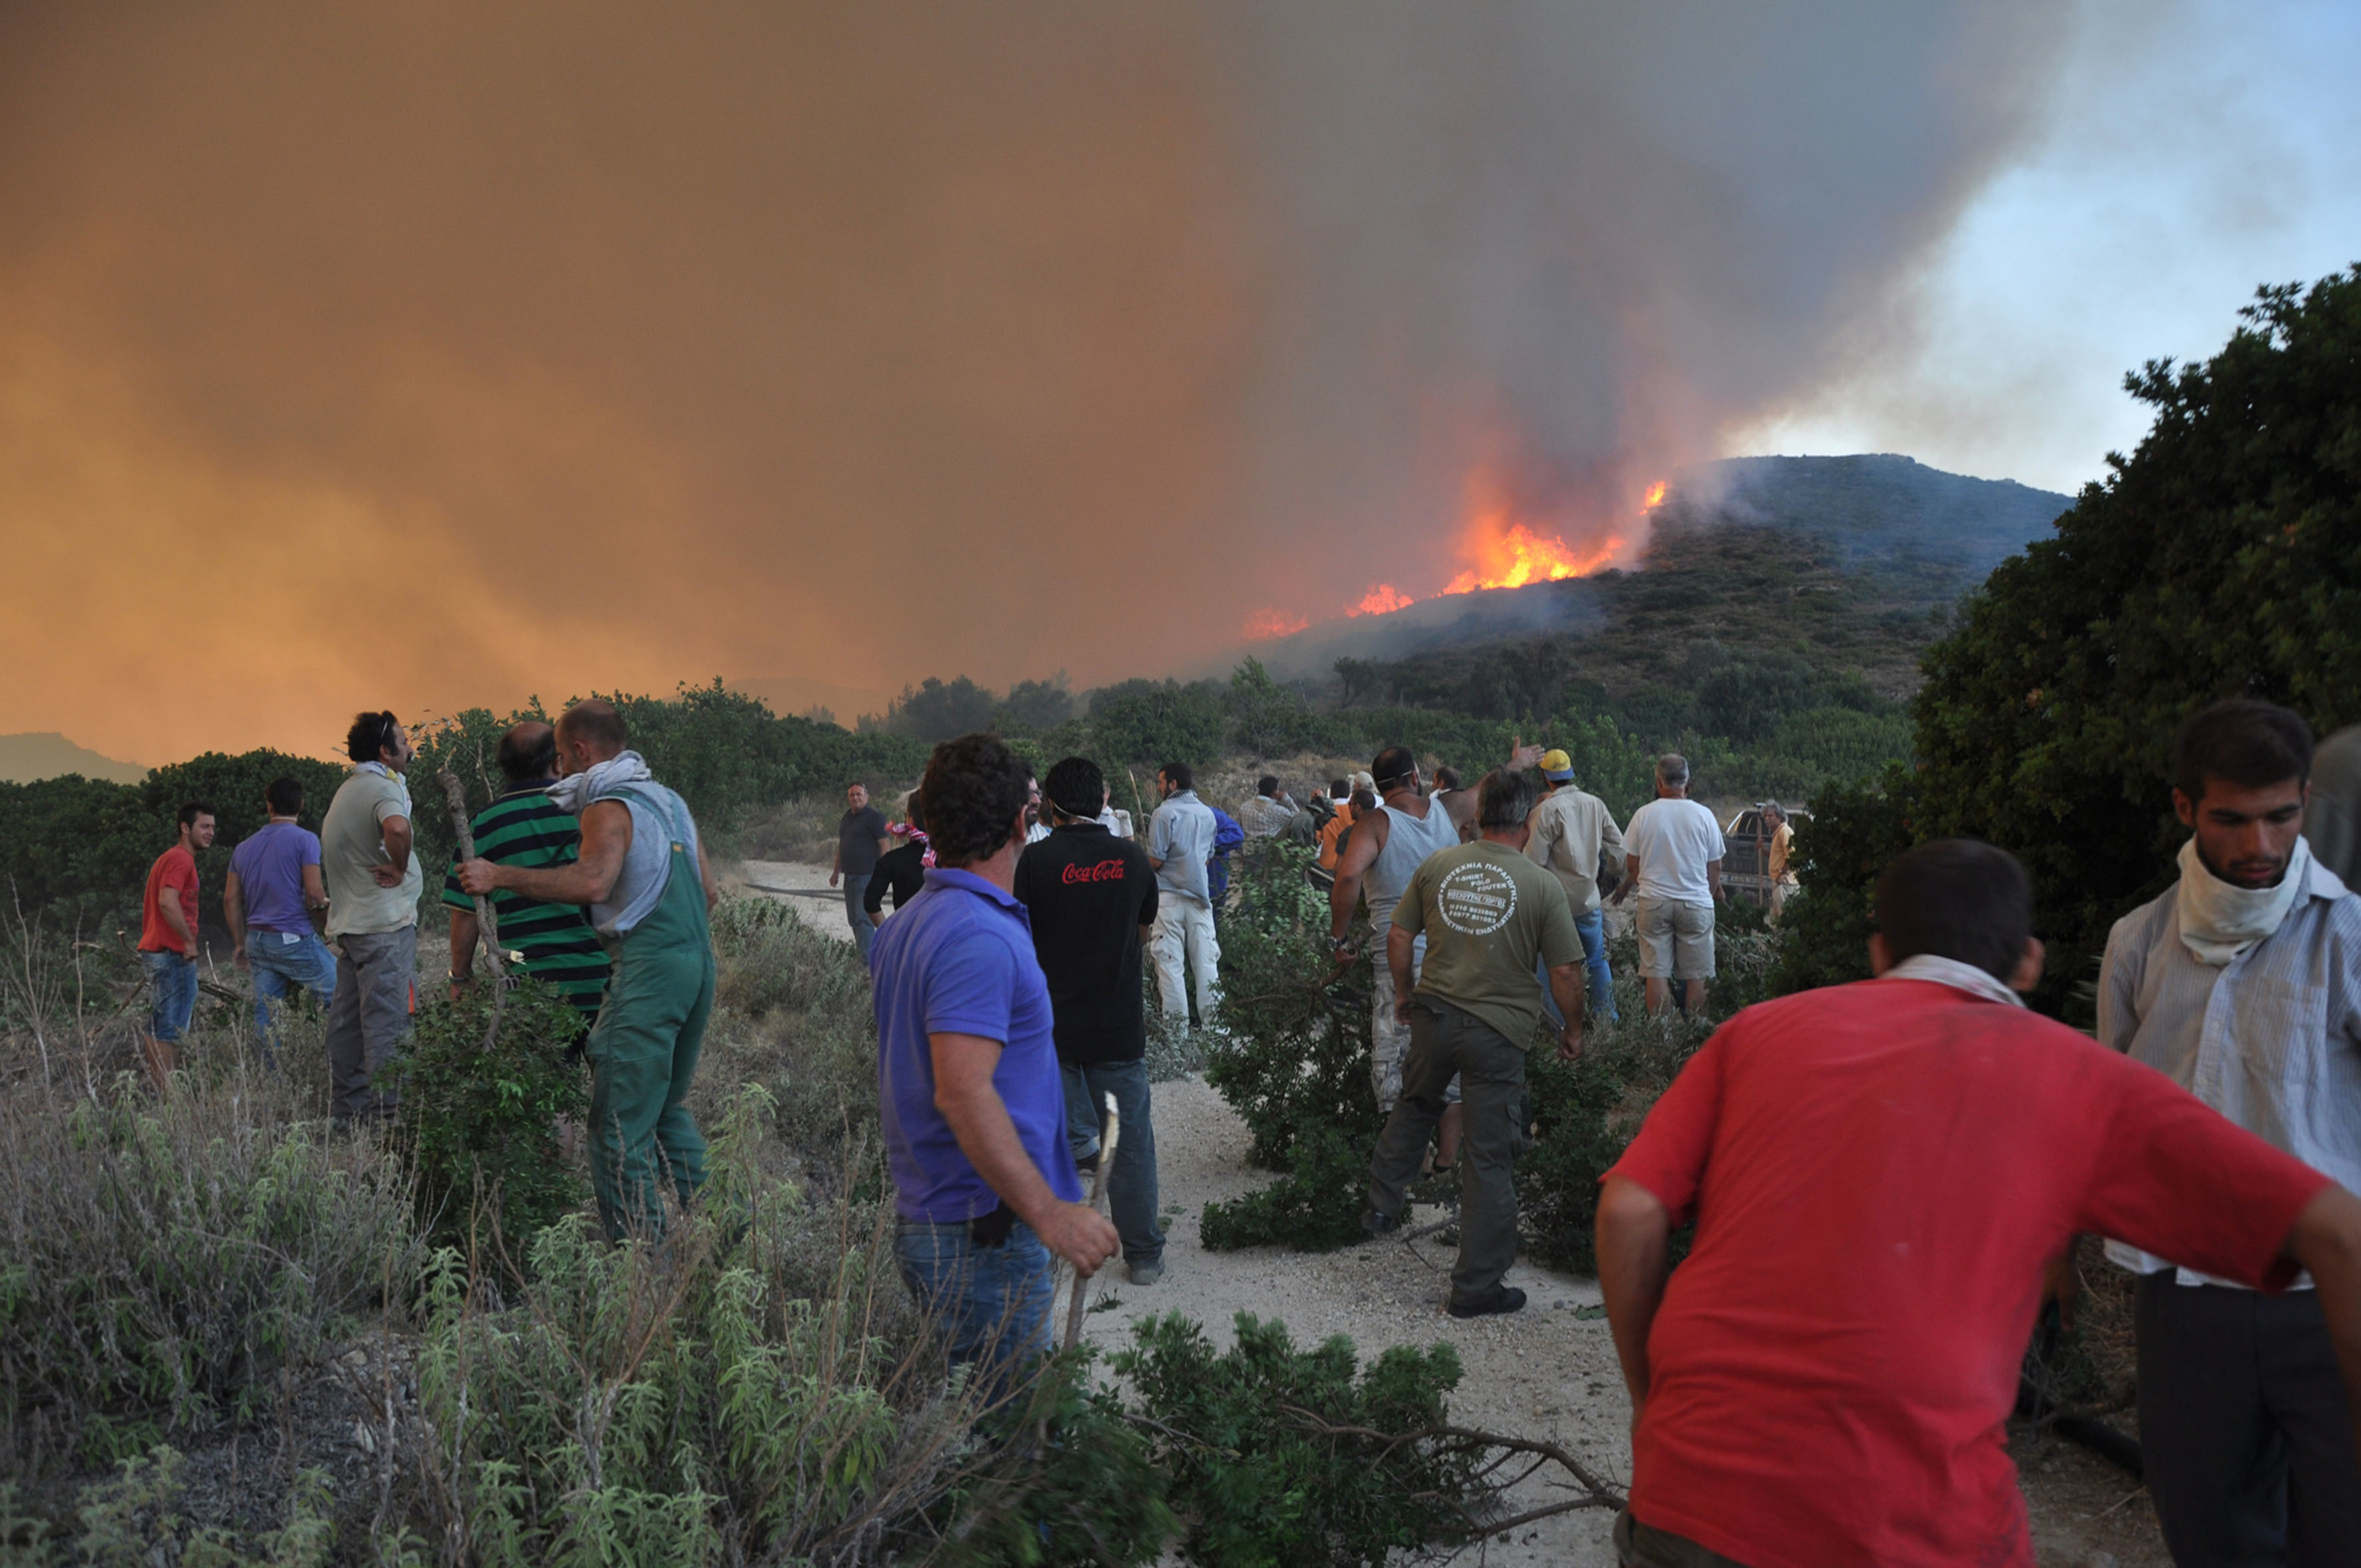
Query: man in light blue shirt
<point>1180,842</point>
<point>2242,983</point>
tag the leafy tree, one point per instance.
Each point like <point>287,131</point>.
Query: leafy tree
<point>2221,558</point>
<point>1033,707</point>
<point>936,709</point>
<point>1154,722</point>
<point>1266,718</point>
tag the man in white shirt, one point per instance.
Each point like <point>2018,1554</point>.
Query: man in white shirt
<point>1672,855</point>
<point>1180,842</point>
<point>2242,983</point>
<point>373,881</point>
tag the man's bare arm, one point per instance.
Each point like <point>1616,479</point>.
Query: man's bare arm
<point>1567,983</point>
<point>234,910</point>
<point>1361,851</point>
<point>182,922</point>
<point>1713,879</point>
<point>2327,1240</point>
<point>1401,947</point>
<point>464,934</point>
<point>399,839</point>
<point>315,891</point>
<point>1630,879</point>
<point>966,1096</point>
<point>1633,1240</point>
<point>606,840</point>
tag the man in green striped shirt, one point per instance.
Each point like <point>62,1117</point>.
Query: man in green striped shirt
<point>525,828</point>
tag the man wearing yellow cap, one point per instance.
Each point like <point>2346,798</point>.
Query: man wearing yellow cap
<point>1574,835</point>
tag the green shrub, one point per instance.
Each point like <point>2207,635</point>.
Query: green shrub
<point>163,1256</point>
<point>1258,1463</point>
<point>480,1126</point>
<point>1583,1115</point>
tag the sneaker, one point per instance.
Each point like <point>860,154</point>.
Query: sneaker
<point>1378,1224</point>
<point>1507,1298</point>
<point>1146,1273</point>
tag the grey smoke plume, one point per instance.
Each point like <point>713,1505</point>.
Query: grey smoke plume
<point>433,354</point>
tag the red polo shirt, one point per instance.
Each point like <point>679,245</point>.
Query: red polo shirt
<point>1879,1173</point>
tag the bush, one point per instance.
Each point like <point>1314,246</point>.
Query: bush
<point>1149,723</point>
<point>1259,1464</point>
<point>1584,1115</point>
<point>162,1258</point>
<point>480,1126</point>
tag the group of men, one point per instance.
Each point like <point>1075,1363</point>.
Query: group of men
<point>596,881</point>
<point>1886,1179</point>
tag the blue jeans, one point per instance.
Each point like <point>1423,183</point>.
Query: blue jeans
<point>279,967</point>
<point>991,1304</point>
<point>174,981</point>
<point>1131,1186</point>
<point>1598,977</point>
<point>856,891</point>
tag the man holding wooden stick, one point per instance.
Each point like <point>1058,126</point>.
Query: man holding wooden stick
<point>642,872</point>
<point>974,1112</point>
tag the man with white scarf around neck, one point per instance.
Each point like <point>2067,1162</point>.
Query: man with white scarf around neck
<point>642,872</point>
<point>2242,983</point>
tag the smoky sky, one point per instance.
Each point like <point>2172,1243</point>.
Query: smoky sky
<point>433,355</point>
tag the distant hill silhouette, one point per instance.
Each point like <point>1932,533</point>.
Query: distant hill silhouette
<point>48,755</point>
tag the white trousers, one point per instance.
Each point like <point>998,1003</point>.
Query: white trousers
<point>1184,928</point>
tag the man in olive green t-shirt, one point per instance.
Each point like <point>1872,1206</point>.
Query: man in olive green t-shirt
<point>1488,913</point>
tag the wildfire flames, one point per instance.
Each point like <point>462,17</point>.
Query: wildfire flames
<point>1508,554</point>
<point>1267,623</point>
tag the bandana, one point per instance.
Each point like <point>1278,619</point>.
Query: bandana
<point>904,830</point>
<point>577,791</point>
<point>1955,974</point>
<point>2219,920</point>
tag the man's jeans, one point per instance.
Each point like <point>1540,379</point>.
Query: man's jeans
<point>280,969</point>
<point>1131,1186</point>
<point>1444,1040</point>
<point>1184,929</point>
<point>1598,976</point>
<point>856,914</point>
<point>991,1304</point>
<point>367,1016</point>
<point>174,981</point>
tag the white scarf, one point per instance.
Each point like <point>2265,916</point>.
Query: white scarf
<point>1955,974</point>
<point>575,790</point>
<point>2220,921</point>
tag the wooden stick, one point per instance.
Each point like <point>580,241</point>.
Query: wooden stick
<point>487,929</point>
<point>1108,1139</point>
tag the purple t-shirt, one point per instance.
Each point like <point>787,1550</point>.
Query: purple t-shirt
<point>269,867</point>
<point>958,958</point>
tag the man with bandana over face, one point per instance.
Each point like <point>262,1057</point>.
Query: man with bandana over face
<point>2242,983</point>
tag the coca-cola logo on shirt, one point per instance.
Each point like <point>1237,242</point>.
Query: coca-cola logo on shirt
<point>1105,870</point>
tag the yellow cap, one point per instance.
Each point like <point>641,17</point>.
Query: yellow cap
<point>1556,766</point>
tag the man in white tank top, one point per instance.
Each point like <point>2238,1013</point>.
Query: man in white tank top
<point>1386,846</point>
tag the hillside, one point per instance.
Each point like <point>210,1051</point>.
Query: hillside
<point>1839,564</point>
<point>49,755</point>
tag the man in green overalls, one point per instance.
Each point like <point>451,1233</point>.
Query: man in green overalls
<point>643,874</point>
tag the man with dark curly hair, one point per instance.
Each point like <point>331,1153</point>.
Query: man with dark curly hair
<point>973,1107</point>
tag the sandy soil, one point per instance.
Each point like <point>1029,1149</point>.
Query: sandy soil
<point>805,886</point>
<point>1549,1370</point>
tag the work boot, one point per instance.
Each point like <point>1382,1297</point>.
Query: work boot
<point>1146,1273</point>
<point>1378,1224</point>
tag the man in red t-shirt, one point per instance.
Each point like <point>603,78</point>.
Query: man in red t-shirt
<point>1881,1174</point>
<point>168,937</point>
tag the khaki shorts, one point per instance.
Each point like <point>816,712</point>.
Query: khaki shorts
<point>1675,941</point>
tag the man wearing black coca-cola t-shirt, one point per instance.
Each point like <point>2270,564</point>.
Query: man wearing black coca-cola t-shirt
<point>1091,899</point>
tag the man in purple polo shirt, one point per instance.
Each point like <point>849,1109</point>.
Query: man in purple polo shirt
<point>272,890</point>
<point>967,1068</point>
